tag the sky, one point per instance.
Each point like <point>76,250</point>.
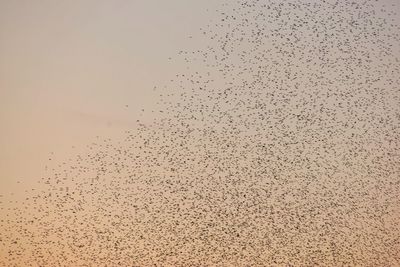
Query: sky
<point>235,120</point>
<point>68,70</point>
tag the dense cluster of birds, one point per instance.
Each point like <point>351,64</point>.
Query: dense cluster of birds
<point>278,146</point>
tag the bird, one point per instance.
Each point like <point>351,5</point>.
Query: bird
<point>276,145</point>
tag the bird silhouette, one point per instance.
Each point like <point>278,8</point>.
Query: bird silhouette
<point>277,145</point>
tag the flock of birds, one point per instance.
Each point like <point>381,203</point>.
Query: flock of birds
<point>281,149</point>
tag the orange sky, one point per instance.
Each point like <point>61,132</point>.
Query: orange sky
<point>71,71</point>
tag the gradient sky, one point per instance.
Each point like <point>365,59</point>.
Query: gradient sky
<point>69,68</point>
<point>74,70</point>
